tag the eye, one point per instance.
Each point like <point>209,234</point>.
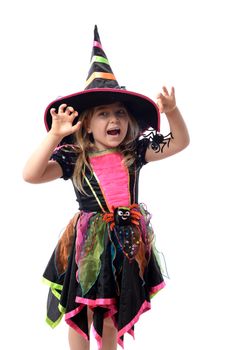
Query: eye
<point>127,213</point>
<point>121,112</point>
<point>103,114</point>
<point>120,213</point>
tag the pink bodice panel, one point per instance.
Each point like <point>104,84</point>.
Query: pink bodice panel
<point>113,178</point>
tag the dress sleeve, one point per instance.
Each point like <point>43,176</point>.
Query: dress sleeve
<point>141,147</point>
<point>66,157</point>
<point>153,140</point>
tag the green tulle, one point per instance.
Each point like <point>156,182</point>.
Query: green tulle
<point>92,248</point>
<point>90,260</point>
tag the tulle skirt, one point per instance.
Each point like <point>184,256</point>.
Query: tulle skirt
<point>113,270</point>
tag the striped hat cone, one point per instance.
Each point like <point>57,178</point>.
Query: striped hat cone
<point>100,73</point>
<point>101,88</point>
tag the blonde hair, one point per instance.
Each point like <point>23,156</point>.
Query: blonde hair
<point>84,144</point>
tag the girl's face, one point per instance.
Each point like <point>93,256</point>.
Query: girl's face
<point>109,125</point>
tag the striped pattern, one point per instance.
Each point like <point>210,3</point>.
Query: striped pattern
<point>97,44</point>
<point>100,73</point>
<point>99,59</point>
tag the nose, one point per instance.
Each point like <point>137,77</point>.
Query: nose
<point>114,117</point>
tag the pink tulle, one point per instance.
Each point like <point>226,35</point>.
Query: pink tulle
<point>82,227</point>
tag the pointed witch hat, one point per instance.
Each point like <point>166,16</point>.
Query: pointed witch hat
<point>102,88</point>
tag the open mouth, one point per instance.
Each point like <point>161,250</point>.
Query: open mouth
<point>113,132</point>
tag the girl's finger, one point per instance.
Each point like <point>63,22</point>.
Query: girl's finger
<point>70,109</point>
<point>53,112</point>
<point>76,127</point>
<point>161,98</point>
<point>74,114</point>
<point>159,95</point>
<point>160,105</point>
<point>165,90</point>
<point>62,108</point>
<point>172,91</point>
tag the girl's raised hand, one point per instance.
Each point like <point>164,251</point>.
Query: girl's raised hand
<point>62,122</point>
<point>166,101</point>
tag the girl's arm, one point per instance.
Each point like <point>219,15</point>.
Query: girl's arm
<point>39,168</point>
<point>180,136</point>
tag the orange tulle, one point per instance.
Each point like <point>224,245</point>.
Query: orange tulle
<point>64,245</point>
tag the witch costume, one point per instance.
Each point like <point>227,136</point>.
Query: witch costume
<point>106,259</point>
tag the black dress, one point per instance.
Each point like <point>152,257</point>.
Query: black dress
<point>106,259</point>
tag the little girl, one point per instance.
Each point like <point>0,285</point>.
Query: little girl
<point>104,269</point>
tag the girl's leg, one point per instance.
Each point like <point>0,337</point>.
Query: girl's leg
<point>109,337</point>
<point>76,341</point>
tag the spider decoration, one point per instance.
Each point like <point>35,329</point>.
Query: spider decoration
<point>124,222</point>
<point>123,216</point>
<point>158,141</point>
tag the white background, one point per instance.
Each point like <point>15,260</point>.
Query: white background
<point>45,52</point>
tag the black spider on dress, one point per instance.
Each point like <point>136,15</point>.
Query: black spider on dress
<point>122,216</point>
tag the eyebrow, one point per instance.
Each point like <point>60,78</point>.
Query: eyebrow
<point>99,108</point>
